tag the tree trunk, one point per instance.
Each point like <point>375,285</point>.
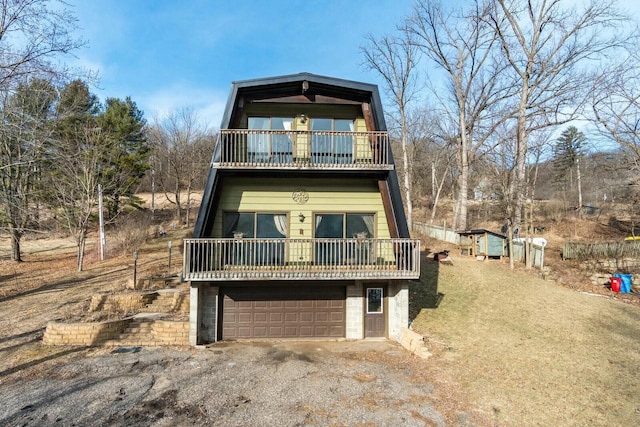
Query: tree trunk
<point>461,222</point>
<point>176,194</point>
<point>521,155</point>
<point>407,174</point>
<point>433,180</point>
<point>437,194</point>
<point>579,182</point>
<point>15,243</point>
<point>82,239</point>
<point>188,207</point>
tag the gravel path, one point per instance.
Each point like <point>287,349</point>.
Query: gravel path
<point>240,384</point>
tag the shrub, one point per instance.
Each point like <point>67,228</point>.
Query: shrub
<point>131,232</point>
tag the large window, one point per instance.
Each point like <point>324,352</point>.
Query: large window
<point>355,227</point>
<point>266,147</point>
<point>248,225</point>
<point>331,147</point>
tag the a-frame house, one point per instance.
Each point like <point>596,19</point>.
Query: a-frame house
<point>301,232</point>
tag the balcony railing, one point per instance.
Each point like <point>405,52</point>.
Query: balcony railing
<point>283,149</point>
<point>293,259</point>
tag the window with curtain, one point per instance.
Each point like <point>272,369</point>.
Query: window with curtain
<point>245,225</point>
<point>328,147</point>
<point>348,226</point>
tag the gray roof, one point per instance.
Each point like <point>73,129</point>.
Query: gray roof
<point>341,87</point>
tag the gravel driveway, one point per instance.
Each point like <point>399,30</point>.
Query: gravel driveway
<point>372,383</point>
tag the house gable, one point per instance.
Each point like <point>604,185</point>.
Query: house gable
<point>311,95</point>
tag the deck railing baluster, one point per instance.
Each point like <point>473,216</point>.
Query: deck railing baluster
<point>223,259</point>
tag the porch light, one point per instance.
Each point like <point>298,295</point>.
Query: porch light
<point>301,217</point>
<point>303,118</point>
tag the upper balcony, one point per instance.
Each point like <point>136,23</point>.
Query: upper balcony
<point>302,149</point>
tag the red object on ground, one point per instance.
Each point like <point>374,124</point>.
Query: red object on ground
<point>615,284</point>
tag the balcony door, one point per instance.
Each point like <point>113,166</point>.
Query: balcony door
<point>331,142</point>
<point>344,238</point>
<point>270,147</point>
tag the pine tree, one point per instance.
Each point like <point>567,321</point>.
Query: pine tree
<point>123,124</point>
<point>569,148</point>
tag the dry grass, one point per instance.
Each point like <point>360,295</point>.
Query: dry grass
<point>509,349</point>
<point>46,287</point>
<point>527,351</point>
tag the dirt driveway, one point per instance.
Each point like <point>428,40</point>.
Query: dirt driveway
<point>371,383</point>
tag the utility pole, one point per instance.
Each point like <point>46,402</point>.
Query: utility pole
<point>153,190</point>
<point>102,237</point>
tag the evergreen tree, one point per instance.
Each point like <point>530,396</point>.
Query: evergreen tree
<point>569,148</point>
<point>123,125</point>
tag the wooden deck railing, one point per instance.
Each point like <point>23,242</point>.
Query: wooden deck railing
<point>292,259</point>
<point>282,149</point>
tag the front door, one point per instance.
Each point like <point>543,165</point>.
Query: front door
<point>375,316</point>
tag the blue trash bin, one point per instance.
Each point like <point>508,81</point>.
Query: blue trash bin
<point>625,286</point>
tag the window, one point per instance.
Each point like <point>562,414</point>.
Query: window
<point>247,225</point>
<point>267,147</point>
<point>355,227</point>
<point>374,300</point>
<point>332,147</point>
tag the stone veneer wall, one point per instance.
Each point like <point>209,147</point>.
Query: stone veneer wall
<point>163,332</point>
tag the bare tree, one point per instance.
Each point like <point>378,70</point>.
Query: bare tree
<point>396,59</point>
<point>616,107</point>
<point>459,43</point>
<point>431,156</point>
<point>24,132</point>
<point>549,47</point>
<point>180,143</point>
<point>33,34</point>
<point>74,183</point>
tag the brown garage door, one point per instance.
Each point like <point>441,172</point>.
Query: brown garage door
<point>283,312</point>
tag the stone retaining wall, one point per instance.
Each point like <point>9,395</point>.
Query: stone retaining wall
<point>414,342</point>
<point>599,271</point>
<point>86,334</point>
<point>163,332</point>
<point>126,303</point>
<point>166,332</point>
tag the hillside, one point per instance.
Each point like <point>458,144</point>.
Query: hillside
<point>508,347</point>
<point>526,351</point>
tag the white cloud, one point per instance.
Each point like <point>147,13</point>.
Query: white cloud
<point>207,103</point>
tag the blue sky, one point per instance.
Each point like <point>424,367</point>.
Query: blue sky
<point>169,54</point>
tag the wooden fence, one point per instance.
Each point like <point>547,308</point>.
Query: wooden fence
<point>537,252</point>
<point>607,250</point>
<point>441,233</point>
<point>449,235</point>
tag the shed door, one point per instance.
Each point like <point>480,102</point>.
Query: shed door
<point>283,312</point>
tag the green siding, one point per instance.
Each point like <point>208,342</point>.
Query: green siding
<point>325,196</point>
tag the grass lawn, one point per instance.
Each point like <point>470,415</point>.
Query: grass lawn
<point>526,351</point>
<point>508,349</point>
